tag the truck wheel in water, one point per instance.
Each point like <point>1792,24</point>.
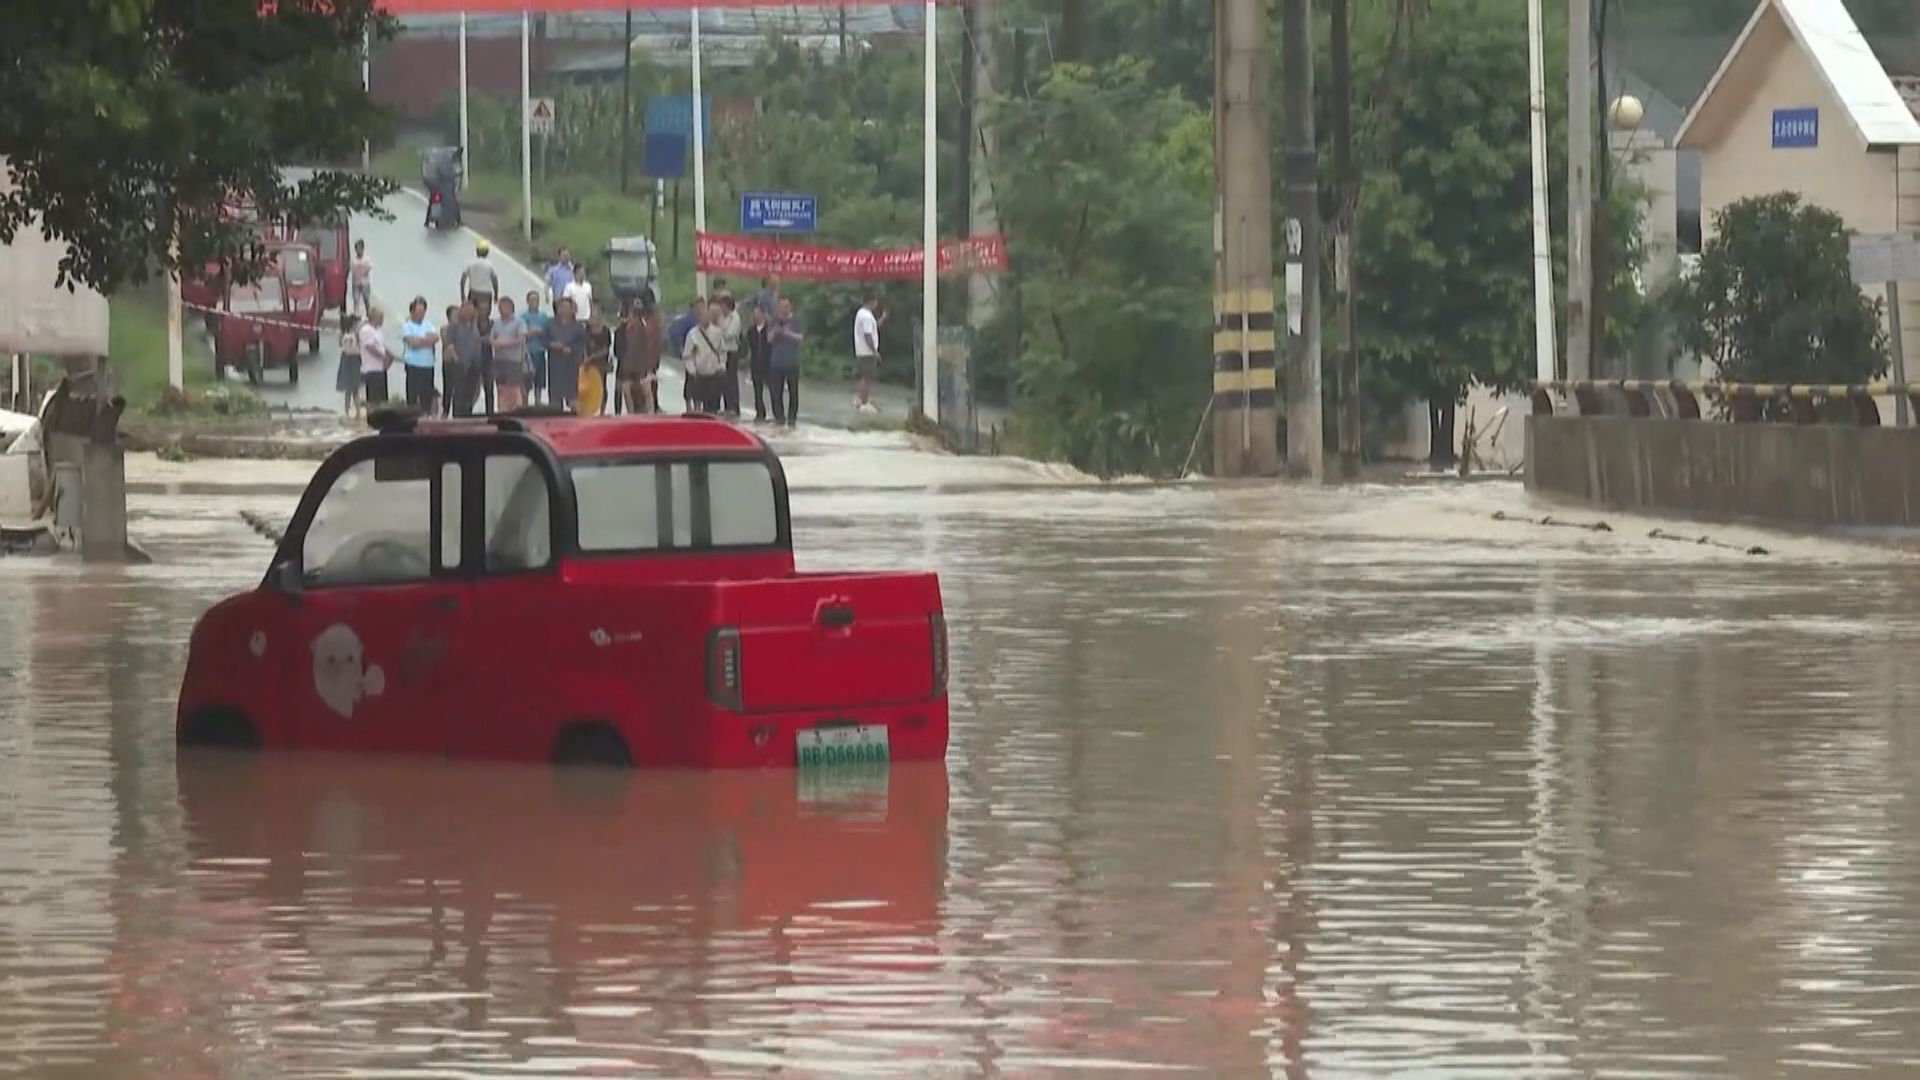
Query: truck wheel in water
<point>592,743</point>
<point>226,729</point>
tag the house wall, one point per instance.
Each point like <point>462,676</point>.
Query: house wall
<point>1872,191</point>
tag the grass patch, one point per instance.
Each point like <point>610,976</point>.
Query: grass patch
<point>137,348</point>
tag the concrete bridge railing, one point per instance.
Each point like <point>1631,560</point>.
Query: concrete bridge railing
<point>1802,455</point>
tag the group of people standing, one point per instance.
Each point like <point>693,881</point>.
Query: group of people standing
<point>488,354</point>
<point>715,341</point>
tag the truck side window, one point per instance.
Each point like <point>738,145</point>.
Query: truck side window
<point>374,526</point>
<point>620,505</point>
<point>741,504</point>
<point>519,515</point>
<point>449,523</point>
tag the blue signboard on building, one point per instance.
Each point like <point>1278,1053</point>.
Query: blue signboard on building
<point>764,212</point>
<point>1796,129</point>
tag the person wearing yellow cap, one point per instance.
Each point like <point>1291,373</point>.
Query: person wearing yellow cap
<point>479,284</point>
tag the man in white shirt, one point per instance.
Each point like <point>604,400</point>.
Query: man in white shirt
<point>374,357</point>
<point>361,275</point>
<point>730,338</point>
<point>866,350</point>
<point>479,284</point>
<point>580,291</point>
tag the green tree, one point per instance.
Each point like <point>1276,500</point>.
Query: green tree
<point>1444,272</point>
<point>128,122</point>
<point>1773,299</point>
<point>1105,186</point>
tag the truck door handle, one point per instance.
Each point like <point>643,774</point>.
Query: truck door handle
<point>835,616</point>
<point>446,603</point>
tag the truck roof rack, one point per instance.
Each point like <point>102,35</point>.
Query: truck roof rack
<point>393,419</point>
<point>515,420</point>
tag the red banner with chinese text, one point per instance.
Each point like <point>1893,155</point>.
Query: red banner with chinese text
<point>725,254</point>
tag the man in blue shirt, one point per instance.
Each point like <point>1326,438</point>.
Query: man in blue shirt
<point>559,275</point>
<point>678,330</point>
<point>536,321</point>
<point>420,338</point>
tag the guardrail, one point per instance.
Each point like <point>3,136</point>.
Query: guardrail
<point>1746,402</point>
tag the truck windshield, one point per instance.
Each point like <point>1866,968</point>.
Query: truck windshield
<point>639,504</point>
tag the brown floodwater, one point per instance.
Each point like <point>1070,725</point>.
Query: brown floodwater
<point>1243,781</point>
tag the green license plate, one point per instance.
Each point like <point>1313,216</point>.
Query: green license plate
<point>842,744</point>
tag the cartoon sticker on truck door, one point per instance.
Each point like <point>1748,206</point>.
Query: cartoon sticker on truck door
<point>341,675</point>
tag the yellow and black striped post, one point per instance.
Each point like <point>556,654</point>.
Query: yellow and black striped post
<point>1245,385</point>
<point>1246,437</point>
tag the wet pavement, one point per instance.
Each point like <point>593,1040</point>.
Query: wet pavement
<point>1244,780</point>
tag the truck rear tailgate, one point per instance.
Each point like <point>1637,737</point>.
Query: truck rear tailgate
<point>826,641</point>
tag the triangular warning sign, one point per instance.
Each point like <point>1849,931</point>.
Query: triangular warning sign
<point>543,109</point>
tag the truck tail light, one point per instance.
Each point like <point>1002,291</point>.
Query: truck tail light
<point>723,668</point>
<point>937,623</point>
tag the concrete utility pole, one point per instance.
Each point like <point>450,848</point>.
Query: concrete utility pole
<point>1246,438</point>
<point>1579,189</point>
<point>1343,254</point>
<point>983,218</point>
<point>1306,447</point>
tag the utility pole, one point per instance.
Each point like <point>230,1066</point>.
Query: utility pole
<point>983,23</point>
<point>1343,254</point>
<point>1546,350</point>
<point>626,104</point>
<point>1246,440</point>
<point>1306,447</point>
<point>1579,189</point>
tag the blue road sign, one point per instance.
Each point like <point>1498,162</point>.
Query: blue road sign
<point>1796,129</point>
<point>672,114</point>
<point>664,156</point>
<point>763,212</point>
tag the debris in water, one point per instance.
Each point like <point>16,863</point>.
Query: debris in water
<point>1589,526</point>
<point>1706,541</point>
<point>262,526</point>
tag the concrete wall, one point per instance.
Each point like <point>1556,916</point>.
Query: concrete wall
<point>1811,475</point>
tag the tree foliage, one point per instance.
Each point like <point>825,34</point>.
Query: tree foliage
<point>1105,183</point>
<point>1774,300</point>
<point>126,122</point>
<point>1444,273</point>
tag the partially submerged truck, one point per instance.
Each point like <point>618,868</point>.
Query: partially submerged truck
<point>582,591</point>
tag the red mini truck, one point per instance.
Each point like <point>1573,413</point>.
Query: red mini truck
<point>256,330</point>
<point>299,268</point>
<point>333,250</point>
<point>550,588</point>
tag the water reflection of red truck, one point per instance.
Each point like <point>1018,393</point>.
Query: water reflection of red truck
<point>316,878</point>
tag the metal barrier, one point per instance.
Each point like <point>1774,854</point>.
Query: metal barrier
<point>1745,401</point>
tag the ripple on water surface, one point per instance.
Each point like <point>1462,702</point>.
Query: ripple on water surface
<point>1243,780</point>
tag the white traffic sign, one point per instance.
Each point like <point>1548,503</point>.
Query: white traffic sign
<point>540,116</point>
<point>1878,258</point>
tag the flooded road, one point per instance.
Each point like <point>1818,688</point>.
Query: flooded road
<point>1243,781</point>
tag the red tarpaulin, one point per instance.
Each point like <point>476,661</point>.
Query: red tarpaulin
<point>552,7</point>
<point>721,254</point>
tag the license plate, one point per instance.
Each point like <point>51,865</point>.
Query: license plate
<point>850,744</point>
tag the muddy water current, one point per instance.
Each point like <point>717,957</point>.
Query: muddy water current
<point>1243,781</point>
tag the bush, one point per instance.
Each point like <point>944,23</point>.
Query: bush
<point>1774,300</point>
